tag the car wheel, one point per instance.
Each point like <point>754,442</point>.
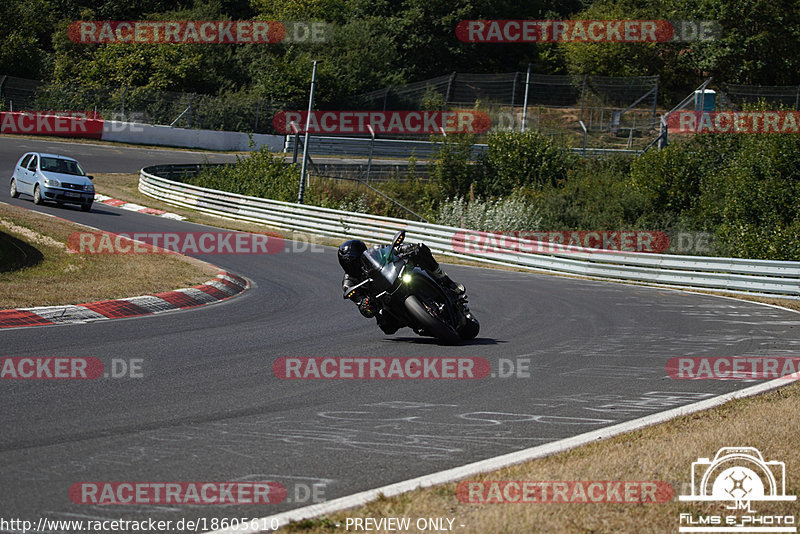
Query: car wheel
<point>37,195</point>
<point>14,193</point>
<point>86,207</point>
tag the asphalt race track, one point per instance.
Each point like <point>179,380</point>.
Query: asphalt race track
<point>208,407</point>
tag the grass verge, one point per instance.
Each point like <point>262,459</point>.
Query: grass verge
<point>769,422</point>
<point>60,277</point>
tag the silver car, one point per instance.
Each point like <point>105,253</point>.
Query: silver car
<point>49,177</point>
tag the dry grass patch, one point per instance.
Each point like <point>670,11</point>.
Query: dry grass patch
<point>66,278</point>
<point>663,452</point>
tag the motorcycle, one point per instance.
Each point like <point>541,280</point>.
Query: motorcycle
<point>414,297</point>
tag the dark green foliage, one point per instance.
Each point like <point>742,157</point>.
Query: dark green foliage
<point>521,160</point>
<point>260,175</point>
<point>453,168</point>
<point>757,199</point>
<point>513,160</point>
<point>594,195</point>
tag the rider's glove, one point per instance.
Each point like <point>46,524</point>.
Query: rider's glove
<point>408,249</point>
<point>366,307</point>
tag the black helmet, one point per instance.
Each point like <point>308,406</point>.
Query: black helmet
<point>350,256</point>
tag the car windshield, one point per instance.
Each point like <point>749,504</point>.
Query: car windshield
<point>64,166</point>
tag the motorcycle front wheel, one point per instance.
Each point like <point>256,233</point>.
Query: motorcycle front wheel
<point>426,318</point>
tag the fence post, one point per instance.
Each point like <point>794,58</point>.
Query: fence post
<point>2,83</point>
<point>450,83</point>
<point>585,133</point>
<point>655,100</point>
<point>258,112</point>
<point>122,106</point>
<point>190,115</point>
<point>583,93</point>
<point>525,102</point>
<point>296,131</point>
<point>371,146</point>
<point>663,133</point>
<point>305,141</point>
<point>513,96</point>
<point>386,97</point>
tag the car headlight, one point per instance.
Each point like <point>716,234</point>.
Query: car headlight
<point>406,278</point>
<point>49,182</point>
<point>89,188</point>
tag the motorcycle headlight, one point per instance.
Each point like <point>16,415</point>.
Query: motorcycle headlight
<point>406,278</point>
<point>49,182</point>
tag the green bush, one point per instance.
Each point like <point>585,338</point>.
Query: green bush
<point>261,174</point>
<point>594,195</point>
<point>513,160</point>
<point>453,168</point>
<point>757,199</point>
<point>521,160</point>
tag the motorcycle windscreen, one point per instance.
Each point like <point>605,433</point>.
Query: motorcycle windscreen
<point>385,271</point>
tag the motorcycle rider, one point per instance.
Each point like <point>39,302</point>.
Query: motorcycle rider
<point>350,253</point>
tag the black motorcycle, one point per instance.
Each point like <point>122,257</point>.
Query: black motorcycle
<point>414,297</point>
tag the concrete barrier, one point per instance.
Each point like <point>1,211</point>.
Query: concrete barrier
<point>87,125</point>
<point>148,134</point>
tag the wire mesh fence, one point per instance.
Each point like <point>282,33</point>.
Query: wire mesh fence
<point>552,104</point>
<point>785,96</point>
<point>232,112</point>
<point>602,102</point>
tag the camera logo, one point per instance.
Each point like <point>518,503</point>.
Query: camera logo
<point>737,476</point>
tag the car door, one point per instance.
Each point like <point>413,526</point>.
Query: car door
<point>31,176</point>
<point>22,175</point>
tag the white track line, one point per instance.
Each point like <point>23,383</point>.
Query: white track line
<point>498,462</point>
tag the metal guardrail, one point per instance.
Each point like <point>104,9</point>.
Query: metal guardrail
<point>320,145</point>
<point>378,172</point>
<point>759,277</point>
<point>405,148</point>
